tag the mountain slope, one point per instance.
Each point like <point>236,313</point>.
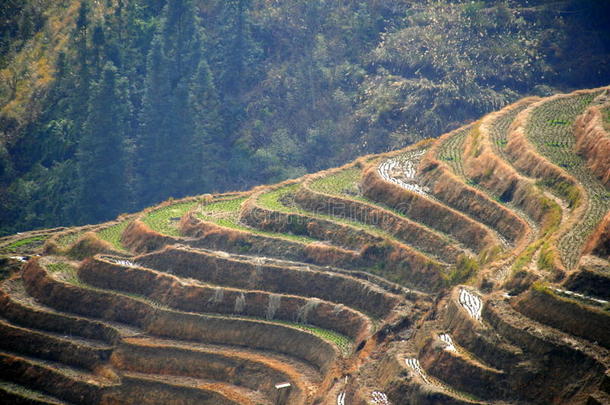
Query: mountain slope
<point>468,269</point>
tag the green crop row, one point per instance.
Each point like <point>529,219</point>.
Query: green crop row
<point>450,151</point>
<point>556,142</point>
<point>341,341</point>
<point>112,234</point>
<point>498,130</point>
<point>165,219</point>
<point>28,242</point>
<point>342,182</point>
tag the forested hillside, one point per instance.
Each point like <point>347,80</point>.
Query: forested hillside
<point>110,106</point>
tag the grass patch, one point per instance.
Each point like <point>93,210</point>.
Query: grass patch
<point>465,268</point>
<point>112,234</point>
<point>526,256</point>
<point>32,241</point>
<point>65,271</point>
<point>342,342</point>
<point>165,220</point>
<point>343,182</point>
<point>273,199</point>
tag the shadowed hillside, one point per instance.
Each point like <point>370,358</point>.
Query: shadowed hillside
<point>205,96</point>
<point>468,269</point>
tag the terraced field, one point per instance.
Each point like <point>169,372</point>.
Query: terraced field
<point>472,269</point>
<point>550,130</point>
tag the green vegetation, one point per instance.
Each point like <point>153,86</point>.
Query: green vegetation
<point>190,97</point>
<point>226,213</point>
<point>556,143</point>
<point>465,268</point>
<point>66,272</point>
<point>112,234</point>
<point>69,238</point>
<point>29,242</point>
<point>273,200</point>
<point>342,342</point>
<point>342,182</point>
<point>451,150</point>
<point>280,200</point>
<point>165,220</point>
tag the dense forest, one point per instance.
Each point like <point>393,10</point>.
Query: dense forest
<point>110,106</point>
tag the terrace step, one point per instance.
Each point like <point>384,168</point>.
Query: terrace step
<point>255,370</point>
<point>55,379</point>
<point>73,351</point>
<point>425,389</point>
<point>577,364</point>
<point>453,347</point>
<point>151,389</point>
<point>402,262</point>
<point>21,309</point>
<point>402,228</point>
<point>208,235</point>
<point>426,209</point>
<point>542,145</point>
<point>298,222</point>
<point>591,278</point>
<point>449,184</point>
<point>571,312</point>
<point>477,337</point>
<point>226,270</point>
<point>461,370</point>
<point>160,321</point>
<point>364,276</point>
<point>194,296</point>
<point>15,394</point>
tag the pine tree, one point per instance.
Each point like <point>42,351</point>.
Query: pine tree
<point>176,107</point>
<point>101,154</point>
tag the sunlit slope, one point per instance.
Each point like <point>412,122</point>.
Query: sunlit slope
<point>468,269</point>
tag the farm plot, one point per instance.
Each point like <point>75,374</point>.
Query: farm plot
<point>165,219</point>
<point>414,365</point>
<point>585,299</point>
<point>112,234</point>
<point>281,200</point>
<point>450,151</point>
<point>68,273</point>
<point>25,244</point>
<point>550,131</point>
<point>345,184</point>
<point>499,130</point>
<point>379,398</point>
<point>342,342</point>
<point>68,239</point>
<point>341,398</point>
<point>471,303</point>
<point>402,171</point>
<point>226,213</point>
<point>342,182</point>
<point>445,337</point>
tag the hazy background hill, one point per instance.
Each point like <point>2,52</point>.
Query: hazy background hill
<point>110,106</point>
